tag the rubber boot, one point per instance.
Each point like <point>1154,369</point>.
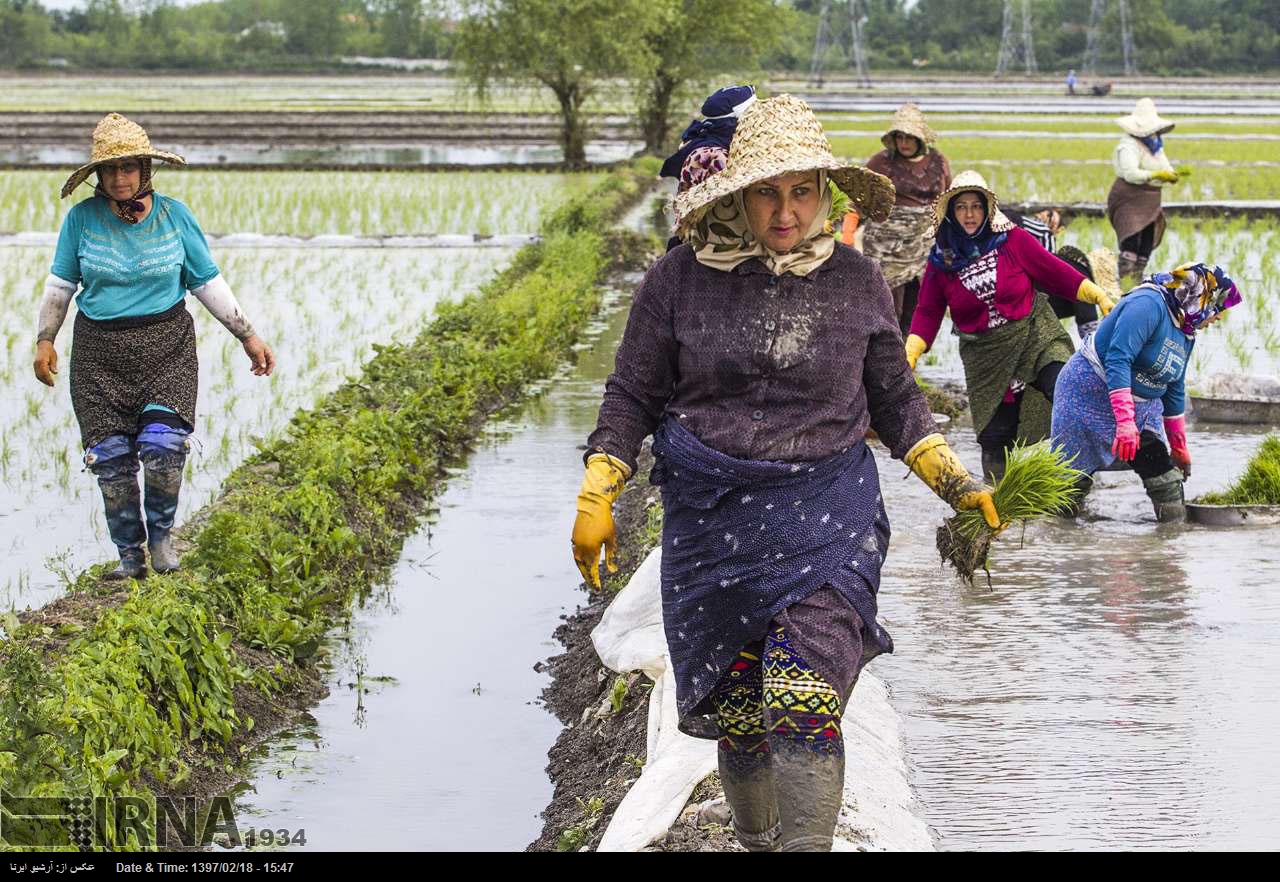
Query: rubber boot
<point>1140,266</point>
<point>810,790</point>
<point>1165,492</point>
<point>1126,264</point>
<point>993,462</point>
<point>163,485</point>
<point>1083,485</point>
<point>121,499</point>
<point>748,788</point>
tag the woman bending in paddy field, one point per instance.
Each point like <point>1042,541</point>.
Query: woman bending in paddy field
<point>133,254</point>
<point>1129,379</point>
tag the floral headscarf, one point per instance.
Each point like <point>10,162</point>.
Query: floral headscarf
<point>954,249</point>
<point>1195,293</point>
<point>723,239</point>
<point>129,210</point>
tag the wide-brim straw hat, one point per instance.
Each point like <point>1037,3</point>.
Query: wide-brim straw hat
<point>781,136</point>
<point>964,182</point>
<point>116,138</point>
<point>1099,265</point>
<point>1144,121</point>
<point>910,121</point>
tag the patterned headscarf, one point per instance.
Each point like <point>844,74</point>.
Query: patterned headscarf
<point>722,111</point>
<point>701,164</point>
<point>129,210</point>
<point>723,239</point>
<point>1195,293</point>
<point>953,248</point>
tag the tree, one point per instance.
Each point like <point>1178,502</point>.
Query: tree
<point>568,46</point>
<point>24,33</point>
<point>690,40</point>
<point>312,27</point>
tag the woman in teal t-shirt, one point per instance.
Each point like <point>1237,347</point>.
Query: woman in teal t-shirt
<point>133,254</point>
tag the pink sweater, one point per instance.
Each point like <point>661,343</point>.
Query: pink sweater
<point>1002,281</point>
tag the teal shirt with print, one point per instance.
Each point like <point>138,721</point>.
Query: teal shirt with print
<point>129,270</point>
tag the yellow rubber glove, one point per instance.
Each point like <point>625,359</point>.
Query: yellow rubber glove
<point>915,348</point>
<point>1167,176</point>
<point>1088,292</point>
<point>601,486</point>
<point>937,465</point>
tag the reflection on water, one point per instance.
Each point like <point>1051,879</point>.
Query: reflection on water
<point>408,156</point>
<point>1114,689</point>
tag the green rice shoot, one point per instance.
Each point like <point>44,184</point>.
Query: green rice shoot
<point>1037,482</point>
<point>1260,483</point>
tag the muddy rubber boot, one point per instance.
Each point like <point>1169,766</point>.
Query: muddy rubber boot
<point>1126,264</point>
<point>810,790</point>
<point>1083,486</point>
<point>1166,496</point>
<point>748,788</point>
<point>121,499</point>
<point>993,462</point>
<point>163,486</point>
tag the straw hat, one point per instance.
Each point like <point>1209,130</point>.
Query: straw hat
<point>116,138</point>
<point>910,121</point>
<point>780,136</point>
<point>1144,121</point>
<point>966,181</point>
<point>1099,265</point>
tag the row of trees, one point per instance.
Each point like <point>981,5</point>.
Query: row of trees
<point>1172,36</point>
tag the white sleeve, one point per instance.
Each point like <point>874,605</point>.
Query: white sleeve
<point>1128,163</point>
<point>53,307</point>
<point>216,297</point>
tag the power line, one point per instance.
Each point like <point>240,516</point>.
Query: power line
<point>831,33</point>
<point>1014,43</point>
<point>1093,47</point>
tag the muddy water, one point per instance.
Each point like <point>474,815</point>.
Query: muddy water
<point>450,754</point>
<point>1114,689</point>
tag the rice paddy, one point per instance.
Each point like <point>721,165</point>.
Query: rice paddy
<point>321,309</point>
<point>302,203</point>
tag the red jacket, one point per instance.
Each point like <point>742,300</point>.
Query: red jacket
<point>1020,265</point>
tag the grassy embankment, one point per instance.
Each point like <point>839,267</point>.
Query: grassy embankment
<point>120,692</point>
<point>1260,483</point>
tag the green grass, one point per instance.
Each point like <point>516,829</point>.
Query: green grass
<point>1200,126</point>
<point>1260,483</point>
<point>301,203</point>
<point>963,149</point>
<point>304,528</point>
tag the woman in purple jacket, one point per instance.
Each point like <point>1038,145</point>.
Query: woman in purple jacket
<point>757,355</point>
<point>985,269</point>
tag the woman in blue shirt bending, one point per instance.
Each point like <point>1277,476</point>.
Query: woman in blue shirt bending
<point>133,254</point>
<point>1130,376</point>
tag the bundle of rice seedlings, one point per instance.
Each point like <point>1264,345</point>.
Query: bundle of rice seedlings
<point>1183,171</point>
<point>1260,483</point>
<point>1037,482</point>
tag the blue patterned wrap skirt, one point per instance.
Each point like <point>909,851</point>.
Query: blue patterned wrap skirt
<point>742,540</point>
<point>1083,423</point>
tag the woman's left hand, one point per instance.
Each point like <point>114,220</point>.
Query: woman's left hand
<point>263,361</point>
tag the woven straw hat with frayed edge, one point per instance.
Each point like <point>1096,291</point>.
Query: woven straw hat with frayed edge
<point>971,180</point>
<point>910,121</point>
<point>116,138</point>
<point>1144,121</point>
<point>781,136</point>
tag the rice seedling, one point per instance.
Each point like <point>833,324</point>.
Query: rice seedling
<point>1260,483</point>
<point>1037,483</point>
<point>299,203</point>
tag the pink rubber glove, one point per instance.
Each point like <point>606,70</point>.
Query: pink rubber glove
<point>1125,445</point>
<point>1175,428</point>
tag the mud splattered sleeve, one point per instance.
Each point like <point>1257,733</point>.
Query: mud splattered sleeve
<point>899,412</point>
<point>644,373</point>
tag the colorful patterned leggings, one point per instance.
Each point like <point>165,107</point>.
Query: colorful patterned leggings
<point>771,697</point>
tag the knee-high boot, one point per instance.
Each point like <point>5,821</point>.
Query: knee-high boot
<point>749,790</point>
<point>163,485</point>
<point>121,499</point>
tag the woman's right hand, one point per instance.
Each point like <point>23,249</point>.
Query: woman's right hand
<point>1166,177</point>
<point>915,348</point>
<point>601,485</point>
<point>46,363</point>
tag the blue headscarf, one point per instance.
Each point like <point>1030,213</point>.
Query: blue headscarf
<point>721,110</point>
<point>1154,143</point>
<point>953,248</point>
